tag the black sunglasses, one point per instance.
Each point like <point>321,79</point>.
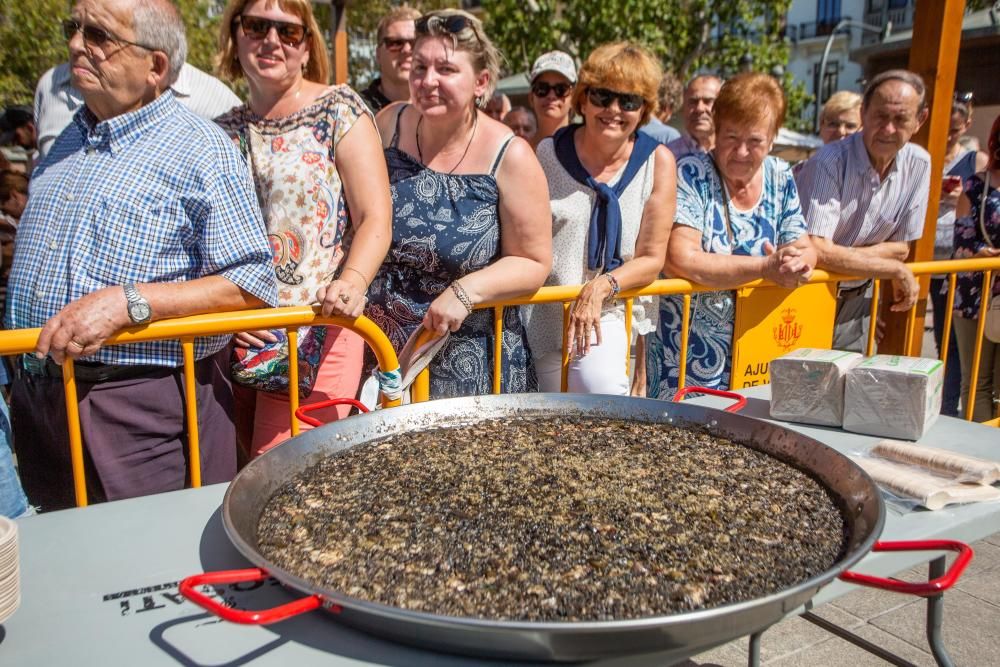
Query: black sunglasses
<point>965,98</point>
<point>453,24</point>
<point>602,97</point>
<point>397,43</point>
<point>95,36</point>
<point>542,89</point>
<point>255,27</point>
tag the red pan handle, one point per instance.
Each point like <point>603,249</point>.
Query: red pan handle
<point>923,589</point>
<point>188,589</point>
<point>300,414</point>
<point>741,401</point>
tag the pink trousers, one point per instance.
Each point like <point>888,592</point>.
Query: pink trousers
<point>338,377</point>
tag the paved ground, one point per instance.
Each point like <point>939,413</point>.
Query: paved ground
<point>895,622</point>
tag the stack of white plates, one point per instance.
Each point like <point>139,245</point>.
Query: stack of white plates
<point>10,571</point>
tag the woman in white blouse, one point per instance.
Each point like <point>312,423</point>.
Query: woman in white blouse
<point>612,192</point>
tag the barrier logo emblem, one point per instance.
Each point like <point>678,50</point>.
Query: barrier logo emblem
<point>788,332</point>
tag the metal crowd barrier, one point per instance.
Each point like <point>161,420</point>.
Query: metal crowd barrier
<point>186,329</point>
<point>675,286</point>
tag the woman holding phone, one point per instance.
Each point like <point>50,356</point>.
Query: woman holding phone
<point>960,164</point>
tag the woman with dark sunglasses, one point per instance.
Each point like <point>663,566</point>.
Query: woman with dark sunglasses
<point>612,193</point>
<point>738,219</point>
<point>553,76</point>
<point>470,217</point>
<point>316,159</point>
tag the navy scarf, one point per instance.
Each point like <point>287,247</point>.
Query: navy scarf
<point>604,238</point>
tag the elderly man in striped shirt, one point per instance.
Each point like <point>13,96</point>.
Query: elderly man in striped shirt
<point>865,198</point>
<point>141,211</point>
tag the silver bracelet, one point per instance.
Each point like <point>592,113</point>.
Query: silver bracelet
<point>462,295</point>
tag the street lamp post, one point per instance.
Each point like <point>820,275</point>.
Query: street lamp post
<point>844,23</point>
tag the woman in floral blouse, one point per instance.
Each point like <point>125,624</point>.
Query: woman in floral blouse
<point>970,242</point>
<point>316,159</point>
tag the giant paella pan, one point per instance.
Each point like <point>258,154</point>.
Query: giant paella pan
<point>674,633</point>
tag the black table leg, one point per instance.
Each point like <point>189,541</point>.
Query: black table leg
<point>753,659</point>
<point>935,617</point>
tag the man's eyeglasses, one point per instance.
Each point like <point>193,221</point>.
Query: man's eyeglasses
<point>453,24</point>
<point>395,44</point>
<point>256,27</point>
<point>542,89</point>
<point>964,98</point>
<point>602,97</point>
<point>95,36</point>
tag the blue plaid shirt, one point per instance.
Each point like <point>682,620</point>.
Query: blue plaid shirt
<point>152,196</point>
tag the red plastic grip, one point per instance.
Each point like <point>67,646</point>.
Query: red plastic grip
<point>741,401</point>
<point>923,589</point>
<point>188,589</point>
<point>300,414</point>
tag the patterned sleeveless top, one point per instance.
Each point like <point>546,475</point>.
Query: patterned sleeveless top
<point>293,162</point>
<point>446,226</point>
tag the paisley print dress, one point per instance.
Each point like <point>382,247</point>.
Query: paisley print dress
<point>776,218</point>
<point>301,194</point>
<point>969,240</point>
<point>446,226</point>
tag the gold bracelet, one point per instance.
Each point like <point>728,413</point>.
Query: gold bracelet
<point>462,295</point>
<point>350,268</point>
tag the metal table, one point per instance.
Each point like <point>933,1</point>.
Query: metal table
<point>99,585</point>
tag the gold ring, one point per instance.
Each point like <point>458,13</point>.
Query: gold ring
<point>74,341</point>
<point>344,298</point>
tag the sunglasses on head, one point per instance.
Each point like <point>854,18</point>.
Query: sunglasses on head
<point>453,24</point>
<point>256,27</point>
<point>397,43</point>
<point>602,97</point>
<point>94,35</point>
<point>542,89</point>
<point>965,98</point>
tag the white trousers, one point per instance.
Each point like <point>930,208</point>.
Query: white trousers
<point>602,371</point>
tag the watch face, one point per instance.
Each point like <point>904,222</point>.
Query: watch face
<point>139,312</point>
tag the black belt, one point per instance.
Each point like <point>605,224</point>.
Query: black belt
<point>87,371</point>
<point>853,291</point>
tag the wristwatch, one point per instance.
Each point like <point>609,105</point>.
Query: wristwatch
<point>138,308</point>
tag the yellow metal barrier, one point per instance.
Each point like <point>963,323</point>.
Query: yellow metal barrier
<point>566,294</point>
<point>186,329</point>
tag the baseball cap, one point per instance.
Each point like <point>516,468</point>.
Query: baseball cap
<point>554,61</point>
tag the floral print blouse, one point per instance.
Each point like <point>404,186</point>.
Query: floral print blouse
<point>300,191</point>
<point>969,240</point>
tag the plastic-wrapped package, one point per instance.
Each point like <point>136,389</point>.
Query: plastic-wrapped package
<point>807,385</point>
<point>959,467</point>
<point>923,488</point>
<point>893,396</point>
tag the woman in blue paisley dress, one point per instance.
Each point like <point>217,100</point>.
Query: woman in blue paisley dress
<point>471,217</point>
<point>979,202</point>
<point>738,219</point>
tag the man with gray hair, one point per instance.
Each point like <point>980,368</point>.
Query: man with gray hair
<point>699,125</point>
<point>865,198</point>
<point>56,100</point>
<point>140,211</point>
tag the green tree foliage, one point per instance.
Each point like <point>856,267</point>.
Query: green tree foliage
<point>31,42</point>
<point>201,22</point>
<point>686,35</point>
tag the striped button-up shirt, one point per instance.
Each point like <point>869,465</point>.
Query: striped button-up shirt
<point>844,200</point>
<point>684,145</point>
<point>152,196</point>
